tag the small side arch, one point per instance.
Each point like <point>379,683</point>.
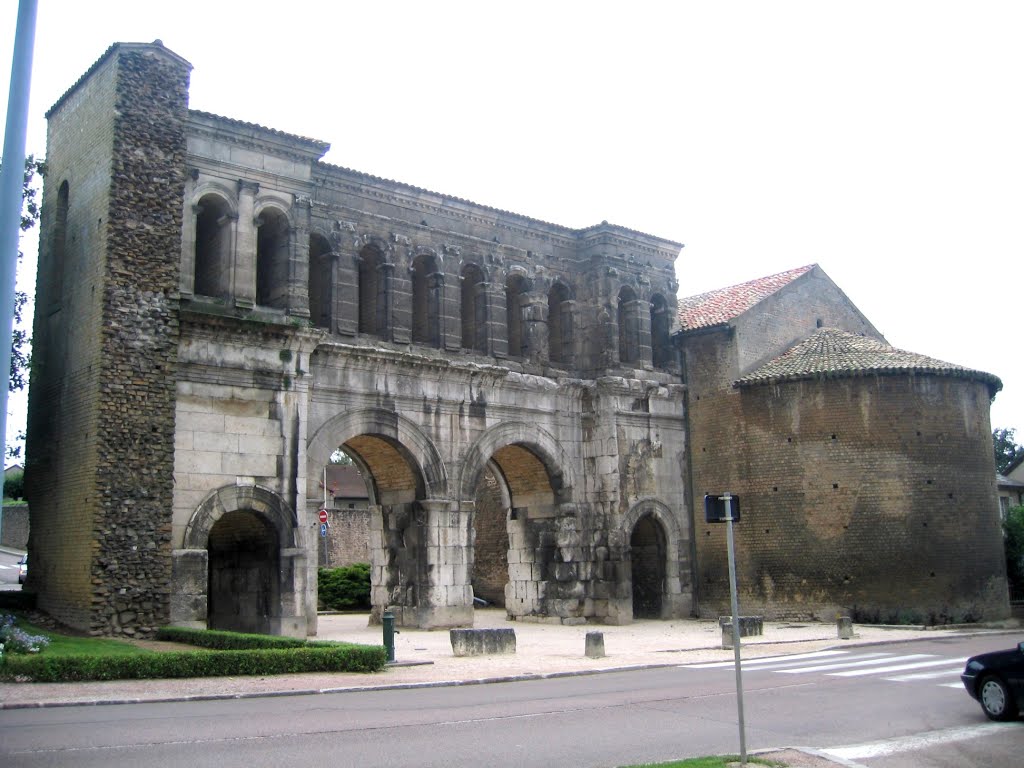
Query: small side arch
<point>653,535</point>
<point>235,498</point>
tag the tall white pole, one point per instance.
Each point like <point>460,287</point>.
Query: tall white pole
<point>727,498</point>
<point>11,178</point>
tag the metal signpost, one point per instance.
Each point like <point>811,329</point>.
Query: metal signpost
<point>726,509</point>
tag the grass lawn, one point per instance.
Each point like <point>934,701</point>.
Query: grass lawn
<point>67,645</point>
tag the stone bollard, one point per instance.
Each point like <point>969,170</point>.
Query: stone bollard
<point>844,626</point>
<point>750,626</point>
<point>595,645</point>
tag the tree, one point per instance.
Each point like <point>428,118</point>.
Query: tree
<point>1013,528</point>
<point>29,216</point>
<point>1006,450</point>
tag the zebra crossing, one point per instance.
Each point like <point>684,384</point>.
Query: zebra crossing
<point>898,668</point>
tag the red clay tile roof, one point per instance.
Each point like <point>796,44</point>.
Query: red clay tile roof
<point>720,306</point>
<point>830,353</point>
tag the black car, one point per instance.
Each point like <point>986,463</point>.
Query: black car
<point>996,680</point>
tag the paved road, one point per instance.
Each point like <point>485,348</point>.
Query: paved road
<point>847,700</point>
<point>9,569</point>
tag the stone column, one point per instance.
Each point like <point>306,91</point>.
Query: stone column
<point>534,327</point>
<point>447,598</point>
<point>389,328</point>
<point>297,299</point>
<point>189,598</point>
<point>244,272</point>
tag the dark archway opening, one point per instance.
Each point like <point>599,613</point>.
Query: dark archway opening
<point>490,539</point>
<point>647,560</point>
<point>244,567</point>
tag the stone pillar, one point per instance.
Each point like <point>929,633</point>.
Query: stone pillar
<point>642,312</point>
<point>291,622</point>
<point>189,601</point>
<point>497,333</point>
<point>389,328</point>
<point>297,299</point>
<point>446,600</point>
<point>534,312</point>
<point>345,312</point>
<point>244,272</point>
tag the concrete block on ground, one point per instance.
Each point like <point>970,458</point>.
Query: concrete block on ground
<point>844,627</point>
<point>482,642</point>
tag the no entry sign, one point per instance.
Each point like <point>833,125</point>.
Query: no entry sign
<point>323,515</point>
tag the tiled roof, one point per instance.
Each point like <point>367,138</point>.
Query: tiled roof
<point>720,306</point>
<point>832,353</point>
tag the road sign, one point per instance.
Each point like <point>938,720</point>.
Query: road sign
<point>323,529</point>
<point>717,511</point>
<point>323,515</point>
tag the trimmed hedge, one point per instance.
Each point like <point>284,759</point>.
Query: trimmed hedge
<point>337,657</point>
<point>221,640</point>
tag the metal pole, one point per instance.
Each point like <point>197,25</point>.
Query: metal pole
<point>11,178</point>
<point>727,498</point>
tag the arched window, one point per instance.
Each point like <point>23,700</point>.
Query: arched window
<point>515,292</point>
<point>213,247</point>
<point>372,286</point>
<point>426,305</point>
<point>559,325</point>
<point>474,309</point>
<point>321,281</point>
<point>272,259</point>
<point>60,239</point>
<point>629,330</point>
<point>661,346</point>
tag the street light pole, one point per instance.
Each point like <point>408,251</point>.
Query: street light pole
<point>727,498</point>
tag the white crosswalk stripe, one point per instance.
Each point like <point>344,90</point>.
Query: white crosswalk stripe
<point>848,664</point>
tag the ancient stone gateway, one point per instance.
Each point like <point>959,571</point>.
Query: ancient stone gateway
<point>219,312</point>
<point>505,386</point>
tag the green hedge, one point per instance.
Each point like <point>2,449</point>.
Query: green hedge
<point>338,657</point>
<point>220,640</point>
<point>344,589</point>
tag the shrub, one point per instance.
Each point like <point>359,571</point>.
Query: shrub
<point>338,657</point>
<point>344,589</point>
<point>221,640</point>
<point>14,485</point>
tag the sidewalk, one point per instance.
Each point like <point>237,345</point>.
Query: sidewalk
<point>425,658</point>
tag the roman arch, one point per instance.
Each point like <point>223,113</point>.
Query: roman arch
<point>242,566</point>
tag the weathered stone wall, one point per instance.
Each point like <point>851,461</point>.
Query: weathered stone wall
<point>348,538</point>
<point>869,496</point>
<point>101,418</point>
<point>14,526</point>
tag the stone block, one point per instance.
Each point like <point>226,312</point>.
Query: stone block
<point>594,645</point>
<point>750,626</point>
<point>483,642</point>
<point>844,628</point>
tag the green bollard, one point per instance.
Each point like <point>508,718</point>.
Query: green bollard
<point>388,621</point>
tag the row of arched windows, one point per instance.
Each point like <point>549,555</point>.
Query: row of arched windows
<point>331,293</point>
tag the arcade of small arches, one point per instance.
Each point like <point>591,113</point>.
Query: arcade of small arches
<point>301,268</point>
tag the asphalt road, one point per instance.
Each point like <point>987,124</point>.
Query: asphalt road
<point>9,569</point>
<point>854,700</point>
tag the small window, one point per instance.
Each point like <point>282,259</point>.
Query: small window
<point>272,259</point>
<point>474,309</point>
<point>321,281</point>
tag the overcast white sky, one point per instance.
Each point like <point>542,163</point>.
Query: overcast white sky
<point>881,140</point>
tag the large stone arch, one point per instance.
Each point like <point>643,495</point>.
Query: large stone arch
<point>673,604</point>
<point>530,436</point>
<point>245,513</point>
<point>378,421</point>
<point>537,520</point>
